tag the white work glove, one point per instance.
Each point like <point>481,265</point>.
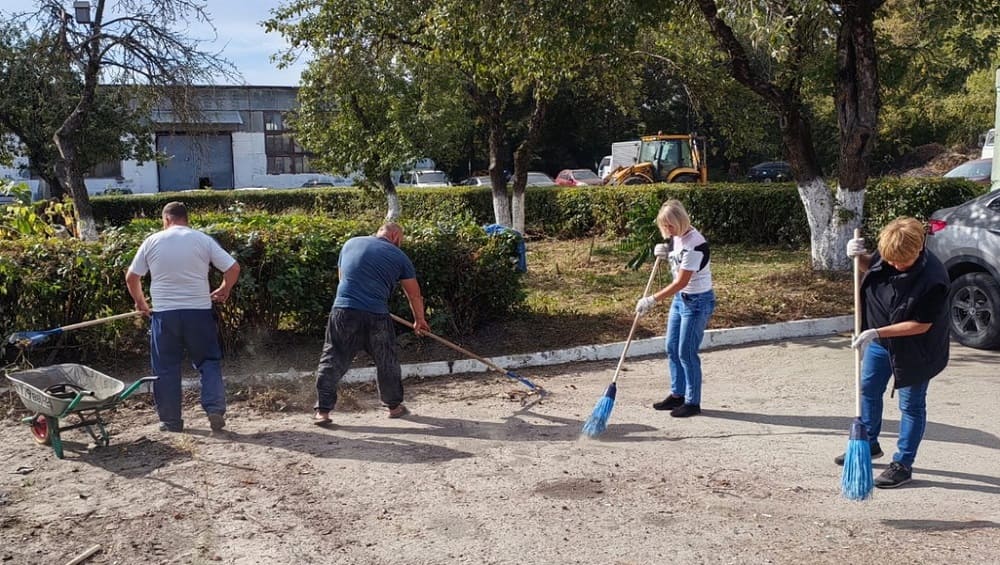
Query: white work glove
<point>863,339</point>
<point>855,247</point>
<point>644,306</point>
<point>662,251</point>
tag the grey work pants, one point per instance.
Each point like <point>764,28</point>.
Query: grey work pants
<point>347,332</point>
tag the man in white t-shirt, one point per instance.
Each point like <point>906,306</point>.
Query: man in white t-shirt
<point>178,260</point>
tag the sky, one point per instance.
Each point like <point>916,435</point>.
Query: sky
<point>241,38</point>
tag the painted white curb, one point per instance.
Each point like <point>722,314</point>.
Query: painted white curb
<point>639,348</point>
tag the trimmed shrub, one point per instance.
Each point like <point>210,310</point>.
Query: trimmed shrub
<point>287,281</point>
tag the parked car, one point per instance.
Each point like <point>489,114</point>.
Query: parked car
<point>988,141</point>
<point>476,181</point>
<point>423,179</point>
<point>539,179</point>
<point>770,171</point>
<point>578,177</point>
<point>966,238</point>
<point>977,170</point>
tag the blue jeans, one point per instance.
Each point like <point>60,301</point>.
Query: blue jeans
<point>173,332</point>
<point>689,314</point>
<point>875,372</point>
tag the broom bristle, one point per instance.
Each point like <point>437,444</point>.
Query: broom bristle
<point>598,420</point>
<point>857,481</point>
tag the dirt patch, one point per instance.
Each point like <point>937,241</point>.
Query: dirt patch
<point>471,477</point>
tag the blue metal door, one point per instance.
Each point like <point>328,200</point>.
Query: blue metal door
<point>195,161</point>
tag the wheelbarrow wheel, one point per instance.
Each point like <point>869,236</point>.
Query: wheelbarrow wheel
<point>41,430</point>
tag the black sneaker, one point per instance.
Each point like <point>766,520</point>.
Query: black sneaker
<point>896,475</point>
<point>876,453</point>
<point>174,428</point>
<point>685,410</point>
<point>669,403</point>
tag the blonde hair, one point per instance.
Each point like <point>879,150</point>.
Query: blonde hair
<point>901,240</point>
<point>672,213</point>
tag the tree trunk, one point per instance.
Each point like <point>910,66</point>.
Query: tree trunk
<point>522,158</point>
<point>829,227</point>
<point>501,198</point>
<point>394,208</point>
<point>832,218</point>
<point>856,96</point>
<point>86,227</point>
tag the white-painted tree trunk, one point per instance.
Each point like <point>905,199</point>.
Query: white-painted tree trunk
<point>517,212</point>
<point>832,219</point>
<point>501,209</point>
<point>394,207</point>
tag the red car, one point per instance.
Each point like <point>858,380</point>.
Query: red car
<point>578,177</point>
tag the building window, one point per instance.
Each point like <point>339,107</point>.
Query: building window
<point>284,155</point>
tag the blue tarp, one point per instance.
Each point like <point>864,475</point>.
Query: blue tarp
<point>522,252</point>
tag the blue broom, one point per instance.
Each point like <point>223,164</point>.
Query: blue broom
<point>598,420</point>
<point>857,481</point>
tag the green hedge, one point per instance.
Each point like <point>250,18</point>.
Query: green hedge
<point>765,214</point>
<point>287,280</point>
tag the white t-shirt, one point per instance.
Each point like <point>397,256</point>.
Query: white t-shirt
<point>178,260</point>
<point>690,252</point>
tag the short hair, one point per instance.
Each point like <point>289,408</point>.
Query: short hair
<point>901,240</point>
<point>389,228</point>
<point>672,213</point>
<point>176,211</point>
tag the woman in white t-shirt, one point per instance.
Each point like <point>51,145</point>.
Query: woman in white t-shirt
<point>692,306</point>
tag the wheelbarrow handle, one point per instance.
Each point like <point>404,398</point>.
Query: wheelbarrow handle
<point>76,400</point>
<point>134,386</point>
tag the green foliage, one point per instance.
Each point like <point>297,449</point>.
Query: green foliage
<point>890,198</point>
<point>287,281</point>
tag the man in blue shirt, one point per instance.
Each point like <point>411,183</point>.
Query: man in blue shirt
<point>369,268</point>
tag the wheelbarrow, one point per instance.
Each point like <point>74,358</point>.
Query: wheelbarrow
<point>57,392</point>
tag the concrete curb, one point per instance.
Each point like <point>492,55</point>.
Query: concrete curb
<point>639,348</point>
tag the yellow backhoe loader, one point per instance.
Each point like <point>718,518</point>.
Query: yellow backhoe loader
<point>664,158</point>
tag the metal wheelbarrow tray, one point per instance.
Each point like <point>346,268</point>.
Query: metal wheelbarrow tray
<point>54,393</point>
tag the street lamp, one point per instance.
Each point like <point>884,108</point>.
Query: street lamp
<point>81,9</point>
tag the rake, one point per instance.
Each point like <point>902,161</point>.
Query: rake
<point>27,340</point>
<point>598,421</point>
<point>505,372</point>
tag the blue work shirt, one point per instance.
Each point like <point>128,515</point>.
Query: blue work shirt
<point>369,268</point>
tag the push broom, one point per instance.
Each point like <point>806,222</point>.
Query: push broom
<point>857,481</point>
<point>598,421</point>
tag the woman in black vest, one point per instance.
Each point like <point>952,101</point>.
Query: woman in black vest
<point>904,319</point>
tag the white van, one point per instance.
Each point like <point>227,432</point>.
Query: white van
<point>988,140</point>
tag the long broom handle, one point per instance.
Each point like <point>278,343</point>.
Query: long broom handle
<point>857,329</point>
<point>635,321</point>
<point>99,321</point>
<point>444,341</point>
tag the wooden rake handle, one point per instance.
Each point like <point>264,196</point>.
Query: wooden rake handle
<point>87,324</point>
<point>447,343</point>
<point>635,321</point>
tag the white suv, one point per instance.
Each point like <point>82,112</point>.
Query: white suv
<point>423,178</point>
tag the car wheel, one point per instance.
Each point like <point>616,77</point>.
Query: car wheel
<point>974,304</point>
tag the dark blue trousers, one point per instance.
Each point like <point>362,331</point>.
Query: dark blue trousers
<point>172,333</point>
<point>347,332</point>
